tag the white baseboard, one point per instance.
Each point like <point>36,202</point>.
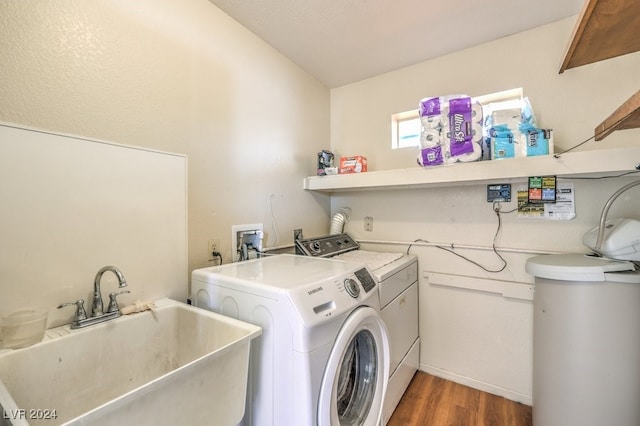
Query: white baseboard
<point>476,384</point>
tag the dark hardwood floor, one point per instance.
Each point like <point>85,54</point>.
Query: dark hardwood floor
<point>433,401</point>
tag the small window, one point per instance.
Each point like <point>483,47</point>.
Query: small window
<point>406,128</point>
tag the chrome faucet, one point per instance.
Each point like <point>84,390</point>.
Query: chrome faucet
<point>96,307</point>
<point>98,315</point>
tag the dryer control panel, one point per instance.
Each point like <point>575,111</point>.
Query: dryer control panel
<point>326,246</point>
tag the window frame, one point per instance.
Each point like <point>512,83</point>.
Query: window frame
<point>411,115</point>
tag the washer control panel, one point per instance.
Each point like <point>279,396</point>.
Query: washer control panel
<point>366,279</point>
<point>326,246</point>
<point>352,287</point>
<point>327,298</point>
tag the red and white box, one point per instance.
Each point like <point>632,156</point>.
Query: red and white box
<point>355,164</point>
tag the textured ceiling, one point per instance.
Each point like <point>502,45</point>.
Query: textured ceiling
<point>342,41</point>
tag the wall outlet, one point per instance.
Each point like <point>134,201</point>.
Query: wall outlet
<point>236,235</point>
<point>213,245</point>
<point>368,223</point>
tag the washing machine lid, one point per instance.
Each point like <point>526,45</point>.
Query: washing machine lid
<point>580,267</point>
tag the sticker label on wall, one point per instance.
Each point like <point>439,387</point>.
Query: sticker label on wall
<point>563,209</point>
<point>542,189</point>
<point>565,206</point>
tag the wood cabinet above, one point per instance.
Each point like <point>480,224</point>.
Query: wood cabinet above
<point>625,117</point>
<point>606,29</point>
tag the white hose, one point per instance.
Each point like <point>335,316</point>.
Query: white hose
<point>338,221</point>
<point>605,211</point>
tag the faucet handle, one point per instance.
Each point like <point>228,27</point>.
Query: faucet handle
<point>81,314</point>
<point>113,303</point>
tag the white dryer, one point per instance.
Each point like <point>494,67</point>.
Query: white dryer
<point>323,357</point>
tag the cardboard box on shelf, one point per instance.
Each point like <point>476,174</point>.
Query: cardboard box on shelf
<point>354,164</point>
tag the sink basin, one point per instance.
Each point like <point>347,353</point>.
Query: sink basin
<point>177,365</point>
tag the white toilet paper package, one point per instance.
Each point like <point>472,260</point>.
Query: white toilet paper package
<point>451,130</point>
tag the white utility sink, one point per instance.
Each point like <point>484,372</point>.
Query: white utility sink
<point>177,365</point>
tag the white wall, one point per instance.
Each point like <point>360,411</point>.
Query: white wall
<point>178,76</point>
<point>72,206</point>
<point>181,76</point>
<point>477,336</point>
<point>572,103</point>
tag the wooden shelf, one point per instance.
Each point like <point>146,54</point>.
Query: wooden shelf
<point>606,29</point>
<point>625,117</point>
<point>593,163</point>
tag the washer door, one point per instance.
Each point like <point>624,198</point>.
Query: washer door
<point>355,379</point>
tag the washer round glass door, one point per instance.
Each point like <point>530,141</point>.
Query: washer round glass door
<point>355,378</point>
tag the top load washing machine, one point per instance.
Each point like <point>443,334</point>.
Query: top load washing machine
<point>397,278</point>
<point>323,357</point>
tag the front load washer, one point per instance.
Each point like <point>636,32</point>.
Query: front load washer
<point>397,278</point>
<point>323,357</point>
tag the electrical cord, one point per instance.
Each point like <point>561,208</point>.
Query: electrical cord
<point>216,254</point>
<point>631,172</point>
<point>594,136</point>
<point>496,209</point>
<point>497,205</point>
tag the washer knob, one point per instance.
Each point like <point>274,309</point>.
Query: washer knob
<point>315,246</point>
<point>352,287</point>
